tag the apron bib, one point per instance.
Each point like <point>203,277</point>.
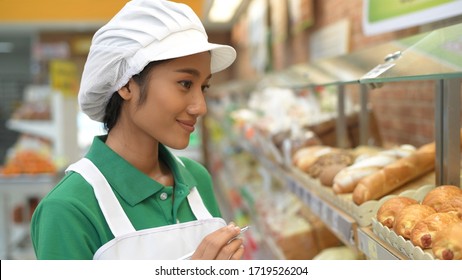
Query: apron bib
<point>175,241</point>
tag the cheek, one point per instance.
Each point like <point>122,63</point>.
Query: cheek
<point>164,104</point>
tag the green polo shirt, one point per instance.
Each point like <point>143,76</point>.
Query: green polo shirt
<point>68,222</point>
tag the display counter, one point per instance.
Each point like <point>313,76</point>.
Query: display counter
<point>432,56</point>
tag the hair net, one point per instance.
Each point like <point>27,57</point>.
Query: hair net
<point>141,32</point>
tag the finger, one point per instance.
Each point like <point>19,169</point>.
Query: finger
<point>238,254</point>
<point>211,245</point>
<point>230,249</point>
<point>216,242</point>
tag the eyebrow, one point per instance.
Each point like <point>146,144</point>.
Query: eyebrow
<point>192,71</point>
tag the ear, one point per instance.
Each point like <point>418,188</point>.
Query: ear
<point>127,91</point>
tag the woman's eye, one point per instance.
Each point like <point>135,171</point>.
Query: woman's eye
<point>186,84</point>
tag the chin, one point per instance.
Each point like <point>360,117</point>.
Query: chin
<point>178,146</point>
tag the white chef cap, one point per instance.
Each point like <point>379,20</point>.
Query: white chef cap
<point>141,32</point>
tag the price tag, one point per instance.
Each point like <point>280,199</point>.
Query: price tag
<point>326,214</point>
<point>291,184</point>
<point>335,222</point>
<point>307,197</point>
<point>315,205</point>
<point>299,190</point>
<point>372,249</point>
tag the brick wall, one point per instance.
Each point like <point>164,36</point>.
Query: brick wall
<point>404,111</point>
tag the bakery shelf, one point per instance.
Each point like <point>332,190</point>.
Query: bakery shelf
<point>341,224</point>
<point>242,210</point>
<point>376,249</point>
<point>44,129</point>
<point>361,236</point>
<point>364,213</point>
<point>394,61</point>
<point>400,243</point>
<point>268,241</point>
<point>61,129</point>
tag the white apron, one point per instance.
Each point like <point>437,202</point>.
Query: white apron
<point>175,241</point>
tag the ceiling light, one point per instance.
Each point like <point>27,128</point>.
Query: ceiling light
<point>223,10</point>
<point>6,47</point>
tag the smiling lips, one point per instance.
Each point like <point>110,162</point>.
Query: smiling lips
<point>187,125</point>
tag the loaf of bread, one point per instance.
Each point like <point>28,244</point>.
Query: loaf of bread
<point>365,151</point>
<point>327,175</point>
<point>345,181</point>
<point>390,208</point>
<point>448,243</point>
<point>395,175</point>
<point>334,157</point>
<point>305,157</point>
<point>424,231</point>
<point>439,196</point>
<point>408,216</point>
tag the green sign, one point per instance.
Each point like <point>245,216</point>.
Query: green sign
<point>381,10</point>
<point>389,15</point>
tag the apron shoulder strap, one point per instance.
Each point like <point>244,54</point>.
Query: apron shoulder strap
<point>112,210</point>
<point>197,205</point>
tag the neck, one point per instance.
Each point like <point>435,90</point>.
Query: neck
<point>142,153</point>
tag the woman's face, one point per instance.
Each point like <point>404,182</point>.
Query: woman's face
<point>174,100</point>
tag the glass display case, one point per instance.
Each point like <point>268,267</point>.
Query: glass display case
<point>433,56</point>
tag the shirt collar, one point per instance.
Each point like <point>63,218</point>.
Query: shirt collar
<point>130,183</point>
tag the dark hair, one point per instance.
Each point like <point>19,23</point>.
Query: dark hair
<point>112,110</point>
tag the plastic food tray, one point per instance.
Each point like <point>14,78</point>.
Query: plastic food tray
<point>400,243</point>
<point>363,213</point>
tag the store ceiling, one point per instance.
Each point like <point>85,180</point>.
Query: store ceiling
<point>50,15</point>
<point>17,26</point>
<point>18,29</point>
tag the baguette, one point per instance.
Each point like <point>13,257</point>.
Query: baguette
<point>347,179</point>
<point>395,174</point>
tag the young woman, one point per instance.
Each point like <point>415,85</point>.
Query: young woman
<point>129,197</point>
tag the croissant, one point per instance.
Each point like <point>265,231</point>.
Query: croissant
<point>453,204</point>
<point>390,208</point>
<point>424,231</point>
<point>448,243</point>
<point>440,195</point>
<point>409,216</point>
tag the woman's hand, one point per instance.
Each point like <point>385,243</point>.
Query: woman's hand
<point>217,245</point>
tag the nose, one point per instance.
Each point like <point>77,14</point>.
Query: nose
<point>198,106</point>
